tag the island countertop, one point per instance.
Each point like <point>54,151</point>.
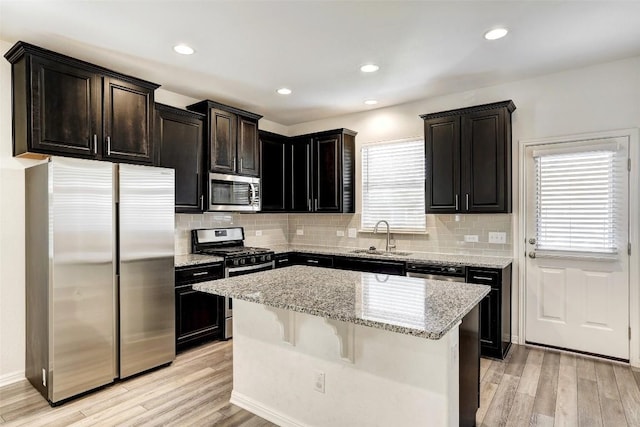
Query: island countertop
<point>407,305</point>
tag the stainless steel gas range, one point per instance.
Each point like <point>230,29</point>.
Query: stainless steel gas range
<point>238,259</point>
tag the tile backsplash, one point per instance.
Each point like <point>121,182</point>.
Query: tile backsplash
<point>445,233</point>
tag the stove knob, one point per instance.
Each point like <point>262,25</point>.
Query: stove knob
<point>268,257</point>
<point>253,260</point>
<point>235,262</point>
<point>242,262</point>
<point>263,258</point>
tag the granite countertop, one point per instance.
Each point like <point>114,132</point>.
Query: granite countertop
<point>434,258</point>
<point>195,259</point>
<point>412,306</point>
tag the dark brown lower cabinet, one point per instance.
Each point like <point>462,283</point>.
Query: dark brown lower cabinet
<point>469,367</point>
<point>198,314</point>
<point>495,309</point>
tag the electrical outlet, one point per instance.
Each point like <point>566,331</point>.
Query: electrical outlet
<point>258,232</point>
<point>340,233</point>
<point>318,381</point>
<point>300,232</point>
<point>353,233</point>
<point>44,377</point>
<point>498,237</point>
<point>471,238</point>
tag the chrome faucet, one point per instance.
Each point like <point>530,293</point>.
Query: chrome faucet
<point>375,231</point>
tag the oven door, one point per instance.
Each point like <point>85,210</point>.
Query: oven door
<point>234,193</point>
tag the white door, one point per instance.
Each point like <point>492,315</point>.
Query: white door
<point>577,232</point>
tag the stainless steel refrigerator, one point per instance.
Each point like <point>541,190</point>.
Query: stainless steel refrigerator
<point>99,276</point>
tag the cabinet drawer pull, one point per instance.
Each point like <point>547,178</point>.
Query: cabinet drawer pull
<point>482,278</point>
<point>309,205</point>
<point>456,202</point>
<point>202,273</point>
<point>95,144</point>
<point>234,164</point>
<point>108,146</point>
<point>313,261</point>
<point>467,201</point>
<point>284,260</point>
<point>241,167</point>
<point>316,202</point>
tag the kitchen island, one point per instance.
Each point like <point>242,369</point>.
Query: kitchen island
<point>316,346</point>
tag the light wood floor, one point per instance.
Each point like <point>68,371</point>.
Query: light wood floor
<point>193,391</point>
<point>538,387</point>
<point>531,387</point>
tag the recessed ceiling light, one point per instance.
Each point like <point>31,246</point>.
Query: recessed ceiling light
<point>371,102</point>
<point>183,49</point>
<point>284,91</point>
<point>369,68</point>
<point>496,33</point>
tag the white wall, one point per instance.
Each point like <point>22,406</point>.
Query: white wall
<point>591,99</point>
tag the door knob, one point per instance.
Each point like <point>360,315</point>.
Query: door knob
<point>532,241</point>
<point>532,254</point>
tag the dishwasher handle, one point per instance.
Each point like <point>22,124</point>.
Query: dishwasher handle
<point>438,270</point>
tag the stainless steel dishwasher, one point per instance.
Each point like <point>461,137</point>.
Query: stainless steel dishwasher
<point>450,273</point>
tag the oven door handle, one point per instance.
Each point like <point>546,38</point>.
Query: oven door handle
<point>229,270</point>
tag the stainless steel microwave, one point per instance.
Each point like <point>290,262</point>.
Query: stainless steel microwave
<point>234,193</point>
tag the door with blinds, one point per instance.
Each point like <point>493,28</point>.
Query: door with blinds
<point>577,232</point>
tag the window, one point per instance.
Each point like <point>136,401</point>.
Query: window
<point>576,201</point>
<point>393,185</point>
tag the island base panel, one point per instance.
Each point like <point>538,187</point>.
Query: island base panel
<point>395,379</point>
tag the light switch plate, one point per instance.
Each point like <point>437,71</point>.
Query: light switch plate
<point>471,238</point>
<point>300,232</point>
<point>498,237</point>
<point>353,233</point>
<point>258,232</point>
<point>340,233</point>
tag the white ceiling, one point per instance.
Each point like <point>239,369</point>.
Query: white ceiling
<point>245,50</point>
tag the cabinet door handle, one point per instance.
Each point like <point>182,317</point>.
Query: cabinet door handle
<point>467,201</point>
<point>284,260</point>
<point>201,203</point>
<point>108,146</point>
<point>316,204</point>
<point>202,273</point>
<point>482,278</point>
<point>309,205</point>
<point>95,144</point>
<point>234,163</point>
<point>241,167</point>
<point>456,202</point>
<point>313,261</point>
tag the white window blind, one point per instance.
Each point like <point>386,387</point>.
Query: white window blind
<point>393,185</point>
<point>576,201</point>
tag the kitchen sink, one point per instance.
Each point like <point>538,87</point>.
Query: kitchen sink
<point>378,252</point>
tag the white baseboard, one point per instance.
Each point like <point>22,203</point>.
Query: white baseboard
<point>263,411</point>
<point>515,339</point>
<point>11,377</point>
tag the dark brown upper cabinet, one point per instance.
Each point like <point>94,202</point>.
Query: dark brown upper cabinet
<point>468,159</point>
<point>128,119</point>
<point>67,107</point>
<point>308,173</point>
<point>179,136</point>
<point>231,145</point>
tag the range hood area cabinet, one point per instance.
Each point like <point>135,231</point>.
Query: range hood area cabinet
<point>308,173</point>
<point>67,107</point>
<point>468,159</point>
<point>232,138</point>
<point>179,135</point>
